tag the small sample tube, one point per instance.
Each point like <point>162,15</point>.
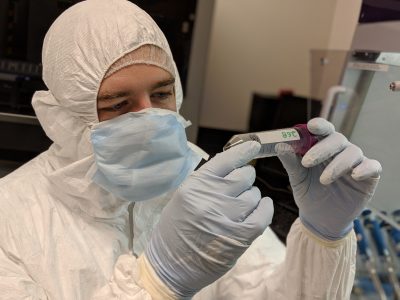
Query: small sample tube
<point>298,137</point>
<point>394,86</point>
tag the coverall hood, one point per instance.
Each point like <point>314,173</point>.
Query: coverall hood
<point>78,49</point>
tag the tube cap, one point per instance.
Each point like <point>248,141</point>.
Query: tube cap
<point>307,139</point>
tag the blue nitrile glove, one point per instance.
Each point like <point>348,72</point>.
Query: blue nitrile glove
<point>210,221</point>
<point>332,183</point>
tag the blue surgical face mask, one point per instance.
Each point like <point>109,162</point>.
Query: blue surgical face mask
<point>141,155</point>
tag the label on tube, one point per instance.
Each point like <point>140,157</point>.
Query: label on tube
<point>278,136</point>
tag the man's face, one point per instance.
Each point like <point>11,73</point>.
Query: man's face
<point>134,88</point>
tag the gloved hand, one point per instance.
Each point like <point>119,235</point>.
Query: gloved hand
<point>210,221</point>
<point>332,183</point>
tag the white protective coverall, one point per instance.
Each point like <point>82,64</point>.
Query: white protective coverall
<point>63,237</point>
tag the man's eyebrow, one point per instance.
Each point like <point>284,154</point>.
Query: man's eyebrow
<point>108,96</point>
<point>162,83</point>
<point>121,94</point>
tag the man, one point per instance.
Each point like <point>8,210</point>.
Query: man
<point>119,146</point>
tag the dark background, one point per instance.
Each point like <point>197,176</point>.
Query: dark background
<point>379,11</point>
<point>24,23</point>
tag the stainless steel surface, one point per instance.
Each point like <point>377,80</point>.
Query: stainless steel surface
<point>389,58</point>
<point>357,101</point>
<point>368,115</point>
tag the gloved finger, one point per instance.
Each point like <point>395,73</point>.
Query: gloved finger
<point>291,162</point>
<point>369,168</point>
<point>342,164</point>
<point>225,162</point>
<point>239,180</point>
<point>320,126</point>
<point>325,149</point>
<point>259,219</point>
<point>244,204</point>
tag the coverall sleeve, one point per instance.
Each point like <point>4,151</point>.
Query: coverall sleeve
<point>130,281</point>
<point>134,279</point>
<point>311,269</point>
<point>15,283</point>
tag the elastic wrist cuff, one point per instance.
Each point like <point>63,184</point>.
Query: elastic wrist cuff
<point>151,282</point>
<point>322,241</point>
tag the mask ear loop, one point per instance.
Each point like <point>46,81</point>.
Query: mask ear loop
<point>131,233</point>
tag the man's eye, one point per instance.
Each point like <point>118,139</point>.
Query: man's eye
<point>116,107</point>
<point>161,95</point>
